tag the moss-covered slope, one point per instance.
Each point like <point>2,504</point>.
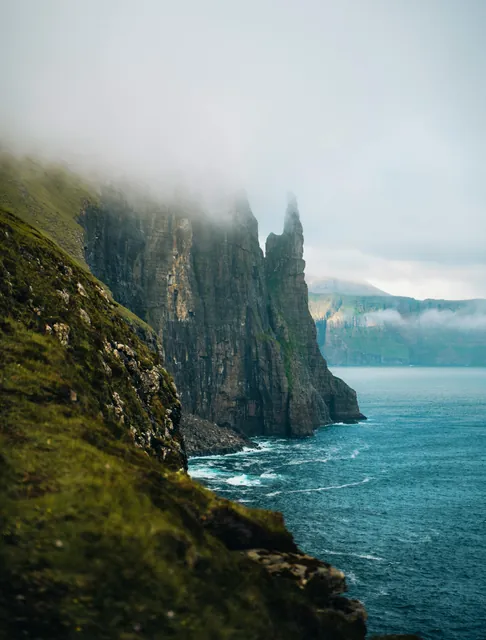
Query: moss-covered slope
<point>48,196</point>
<point>103,533</point>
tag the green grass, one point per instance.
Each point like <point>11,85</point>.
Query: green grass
<point>48,196</point>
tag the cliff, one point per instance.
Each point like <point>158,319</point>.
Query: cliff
<point>234,325</point>
<point>103,533</point>
<point>316,396</point>
<point>392,330</point>
<point>203,284</point>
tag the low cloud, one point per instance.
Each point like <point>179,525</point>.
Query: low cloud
<point>462,320</point>
<point>383,143</point>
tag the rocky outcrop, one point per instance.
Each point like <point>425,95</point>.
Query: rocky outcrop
<point>204,438</point>
<point>236,332</point>
<point>316,396</point>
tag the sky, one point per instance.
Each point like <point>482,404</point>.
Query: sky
<point>373,112</point>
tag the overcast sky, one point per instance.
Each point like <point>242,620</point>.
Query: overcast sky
<point>372,111</point>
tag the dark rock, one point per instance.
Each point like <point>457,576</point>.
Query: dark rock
<point>234,325</point>
<point>319,579</point>
<point>204,438</point>
<point>239,532</point>
<point>316,396</point>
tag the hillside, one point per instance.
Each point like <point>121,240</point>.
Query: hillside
<point>392,330</point>
<point>48,196</point>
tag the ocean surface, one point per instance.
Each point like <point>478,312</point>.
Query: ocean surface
<point>397,502</point>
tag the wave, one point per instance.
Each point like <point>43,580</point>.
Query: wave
<point>363,556</point>
<point>263,447</point>
<point>242,480</point>
<point>207,473</point>
<point>306,461</point>
<point>269,474</point>
<point>343,520</point>
<point>355,453</point>
<point>351,577</point>
<point>329,488</point>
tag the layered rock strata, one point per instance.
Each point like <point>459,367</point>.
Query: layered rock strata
<point>234,324</point>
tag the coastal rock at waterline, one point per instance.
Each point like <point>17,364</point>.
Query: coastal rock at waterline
<point>204,438</point>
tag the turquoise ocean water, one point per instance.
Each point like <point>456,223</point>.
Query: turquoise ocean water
<point>398,502</point>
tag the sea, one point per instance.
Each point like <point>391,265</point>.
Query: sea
<point>397,502</point>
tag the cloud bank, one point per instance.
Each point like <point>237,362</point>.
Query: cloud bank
<point>465,320</point>
<point>371,111</point>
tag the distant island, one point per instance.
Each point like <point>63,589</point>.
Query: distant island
<point>358,324</point>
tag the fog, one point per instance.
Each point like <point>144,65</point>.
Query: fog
<point>372,112</point>
<point>464,320</point>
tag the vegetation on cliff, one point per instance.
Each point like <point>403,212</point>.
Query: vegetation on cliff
<point>48,196</point>
<point>393,330</point>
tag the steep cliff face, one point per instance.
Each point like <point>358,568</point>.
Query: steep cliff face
<point>234,325</point>
<point>316,396</point>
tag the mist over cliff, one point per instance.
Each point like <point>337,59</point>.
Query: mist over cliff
<point>234,323</point>
<point>470,316</point>
<point>378,330</point>
<point>382,143</point>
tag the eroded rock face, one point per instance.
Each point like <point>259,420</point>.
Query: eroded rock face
<point>234,325</point>
<point>204,438</point>
<point>316,397</point>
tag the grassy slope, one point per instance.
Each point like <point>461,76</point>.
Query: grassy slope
<point>49,197</point>
<point>99,539</point>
